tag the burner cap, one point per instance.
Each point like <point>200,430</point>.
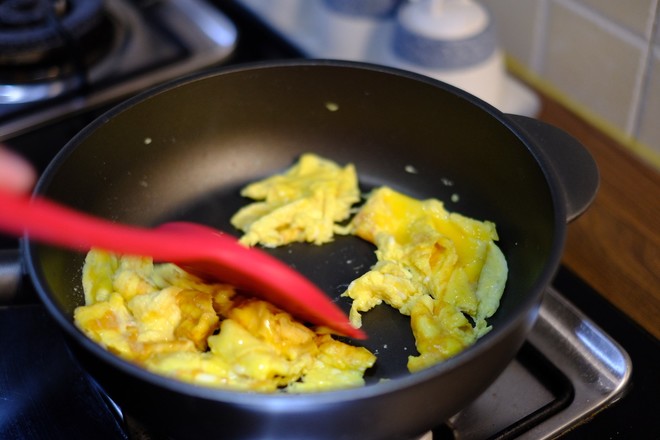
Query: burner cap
<point>30,30</point>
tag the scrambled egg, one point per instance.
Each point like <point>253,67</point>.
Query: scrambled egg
<point>305,204</point>
<point>172,323</point>
<point>442,269</point>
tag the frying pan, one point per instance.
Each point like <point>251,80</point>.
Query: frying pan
<point>182,152</point>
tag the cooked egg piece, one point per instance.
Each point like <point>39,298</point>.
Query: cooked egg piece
<point>303,204</point>
<point>438,267</point>
<point>174,324</point>
<point>337,366</point>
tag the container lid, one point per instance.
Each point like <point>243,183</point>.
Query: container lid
<point>444,19</point>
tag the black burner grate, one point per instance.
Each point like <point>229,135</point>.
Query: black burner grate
<point>37,33</point>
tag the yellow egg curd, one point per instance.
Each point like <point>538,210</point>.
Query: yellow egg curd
<point>442,269</point>
<point>304,204</point>
<point>172,323</point>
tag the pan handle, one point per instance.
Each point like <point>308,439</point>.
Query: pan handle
<point>574,166</point>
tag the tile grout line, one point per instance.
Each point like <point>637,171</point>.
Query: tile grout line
<point>539,43</point>
<point>619,31</point>
<point>632,121</point>
<point>643,82</point>
<point>648,43</point>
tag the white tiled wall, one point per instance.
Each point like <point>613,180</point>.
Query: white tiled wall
<point>600,57</point>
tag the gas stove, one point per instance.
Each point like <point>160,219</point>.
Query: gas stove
<point>586,370</point>
<point>62,57</point>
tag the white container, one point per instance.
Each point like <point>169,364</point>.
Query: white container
<point>370,30</point>
<point>450,40</point>
<point>352,29</point>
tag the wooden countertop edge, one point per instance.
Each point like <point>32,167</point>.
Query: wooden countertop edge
<point>615,245</point>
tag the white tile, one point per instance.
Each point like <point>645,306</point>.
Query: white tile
<point>635,15</point>
<point>597,68</point>
<point>517,25</point>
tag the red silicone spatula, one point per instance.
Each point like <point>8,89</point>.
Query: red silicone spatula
<point>200,249</point>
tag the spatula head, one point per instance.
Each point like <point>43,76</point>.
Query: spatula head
<point>209,253</point>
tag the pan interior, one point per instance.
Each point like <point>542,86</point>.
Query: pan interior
<point>185,153</point>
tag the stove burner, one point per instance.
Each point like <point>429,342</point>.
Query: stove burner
<point>30,29</point>
<point>48,46</point>
<point>120,48</point>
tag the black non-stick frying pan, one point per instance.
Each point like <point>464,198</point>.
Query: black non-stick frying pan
<point>184,150</point>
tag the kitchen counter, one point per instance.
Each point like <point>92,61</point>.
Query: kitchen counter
<point>615,245</point>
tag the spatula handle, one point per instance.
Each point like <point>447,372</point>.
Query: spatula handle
<point>49,222</point>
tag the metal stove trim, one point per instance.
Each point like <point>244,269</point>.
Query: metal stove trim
<point>597,366</point>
